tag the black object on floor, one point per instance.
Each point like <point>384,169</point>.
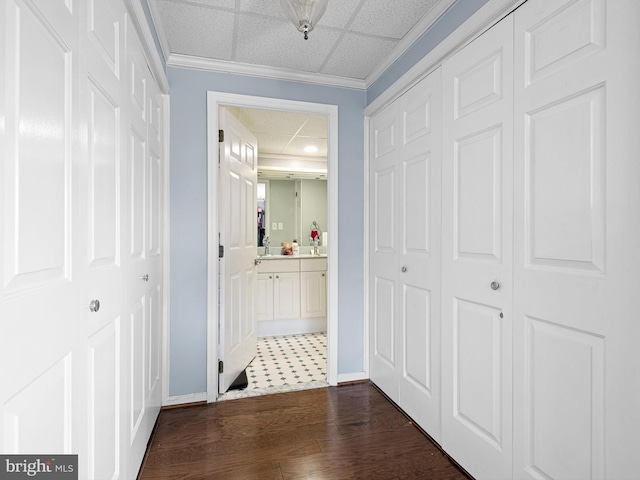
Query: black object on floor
<point>241,382</point>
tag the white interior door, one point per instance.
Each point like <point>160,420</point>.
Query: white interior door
<point>237,220</point>
<point>577,239</point>
<point>406,243</point>
<point>41,354</point>
<point>477,251</point>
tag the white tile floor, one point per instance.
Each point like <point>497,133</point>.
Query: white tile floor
<point>286,363</point>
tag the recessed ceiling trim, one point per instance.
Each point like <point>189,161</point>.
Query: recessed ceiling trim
<point>409,39</point>
<point>200,63</point>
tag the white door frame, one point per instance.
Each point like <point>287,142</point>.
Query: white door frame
<point>214,101</point>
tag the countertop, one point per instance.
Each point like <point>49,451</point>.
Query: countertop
<point>290,257</point>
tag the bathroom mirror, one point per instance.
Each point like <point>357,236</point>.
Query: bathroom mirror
<point>291,207</point>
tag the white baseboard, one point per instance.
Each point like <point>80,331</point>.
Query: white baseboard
<point>293,326</point>
<point>352,377</point>
<point>189,398</point>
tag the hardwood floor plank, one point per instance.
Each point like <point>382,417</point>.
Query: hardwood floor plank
<point>335,432</point>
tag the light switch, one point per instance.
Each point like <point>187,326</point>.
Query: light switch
<point>274,226</point>
<point>279,225</point>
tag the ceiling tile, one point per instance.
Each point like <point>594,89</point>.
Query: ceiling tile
<point>315,126</point>
<point>338,13</point>
<point>277,43</point>
<point>196,30</point>
<point>357,55</point>
<point>271,143</point>
<point>390,19</point>
<point>296,147</point>
<point>230,4</point>
<point>270,121</point>
<point>271,8</point>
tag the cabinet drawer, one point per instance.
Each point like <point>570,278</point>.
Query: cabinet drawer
<point>283,266</point>
<point>313,264</point>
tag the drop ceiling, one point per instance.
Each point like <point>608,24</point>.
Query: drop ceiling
<point>282,138</point>
<point>351,46</point>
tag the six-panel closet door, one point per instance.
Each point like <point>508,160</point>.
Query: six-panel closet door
<point>477,285</point>
<point>80,235</point>
<point>577,238</point>
<point>405,252</point>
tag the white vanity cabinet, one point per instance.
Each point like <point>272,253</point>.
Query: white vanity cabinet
<point>264,297</point>
<point>313,288</point>
<point>286,295</point>
<point>291,296</point>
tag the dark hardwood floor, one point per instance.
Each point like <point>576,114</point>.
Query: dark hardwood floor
<point>329,433</point>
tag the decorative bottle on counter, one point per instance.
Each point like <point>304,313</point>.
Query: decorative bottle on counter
<point>296,248</point>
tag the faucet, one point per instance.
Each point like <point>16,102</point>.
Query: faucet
<point>315,246</point>
<point>265,244</point>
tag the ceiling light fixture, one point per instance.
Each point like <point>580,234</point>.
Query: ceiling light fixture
<point>311,149</point>
<point>304,13</point>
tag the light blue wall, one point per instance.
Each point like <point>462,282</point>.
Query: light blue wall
<point>455,16</point>
<point>188,208</point>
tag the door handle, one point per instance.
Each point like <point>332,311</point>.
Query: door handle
<point>257,261</point>
<point>145,277</point>
<point>495,285</point>
<point>94,306</point>
<point>404,269</point>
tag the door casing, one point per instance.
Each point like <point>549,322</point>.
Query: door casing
<point>214,101</point>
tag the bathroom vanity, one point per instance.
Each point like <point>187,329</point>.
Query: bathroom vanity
<point>291,294</point>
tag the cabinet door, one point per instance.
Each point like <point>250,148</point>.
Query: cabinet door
<point>264,297</point>
<point>286,295</point>
<point>313,298</point>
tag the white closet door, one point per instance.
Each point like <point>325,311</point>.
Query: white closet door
<point>103,180</point>
<point>405,278</point>
<point>41,311</point>
<point>477,254</point>
<point>577,239</point>
<point>384,268</point>
<point>142,251</point>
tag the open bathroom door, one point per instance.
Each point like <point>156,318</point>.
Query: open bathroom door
<point>236,215</point>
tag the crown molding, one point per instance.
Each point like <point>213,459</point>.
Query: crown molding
<point>222,66</point>
<point>490,14</point>
<point>139,20</point>
<point>409,39</point>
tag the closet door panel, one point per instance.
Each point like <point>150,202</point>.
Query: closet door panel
<point>405,220</point>
<point>419,255</point>
<point>576,151</point>
<point>476,254</point>
<point>384,148</point>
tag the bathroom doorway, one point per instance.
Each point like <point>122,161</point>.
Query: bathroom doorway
<point>280,162</point>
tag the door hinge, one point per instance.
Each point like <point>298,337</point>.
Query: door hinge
<point>220,251</point>
<point>220,366</point>
<point>220,136</point>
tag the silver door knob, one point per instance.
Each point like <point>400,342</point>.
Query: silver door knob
<point>94,306</point>
<point>404,269</point>
<point>495,285</point>
<point>145,277</point>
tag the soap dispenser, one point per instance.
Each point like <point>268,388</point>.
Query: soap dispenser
<point>296,248</point>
